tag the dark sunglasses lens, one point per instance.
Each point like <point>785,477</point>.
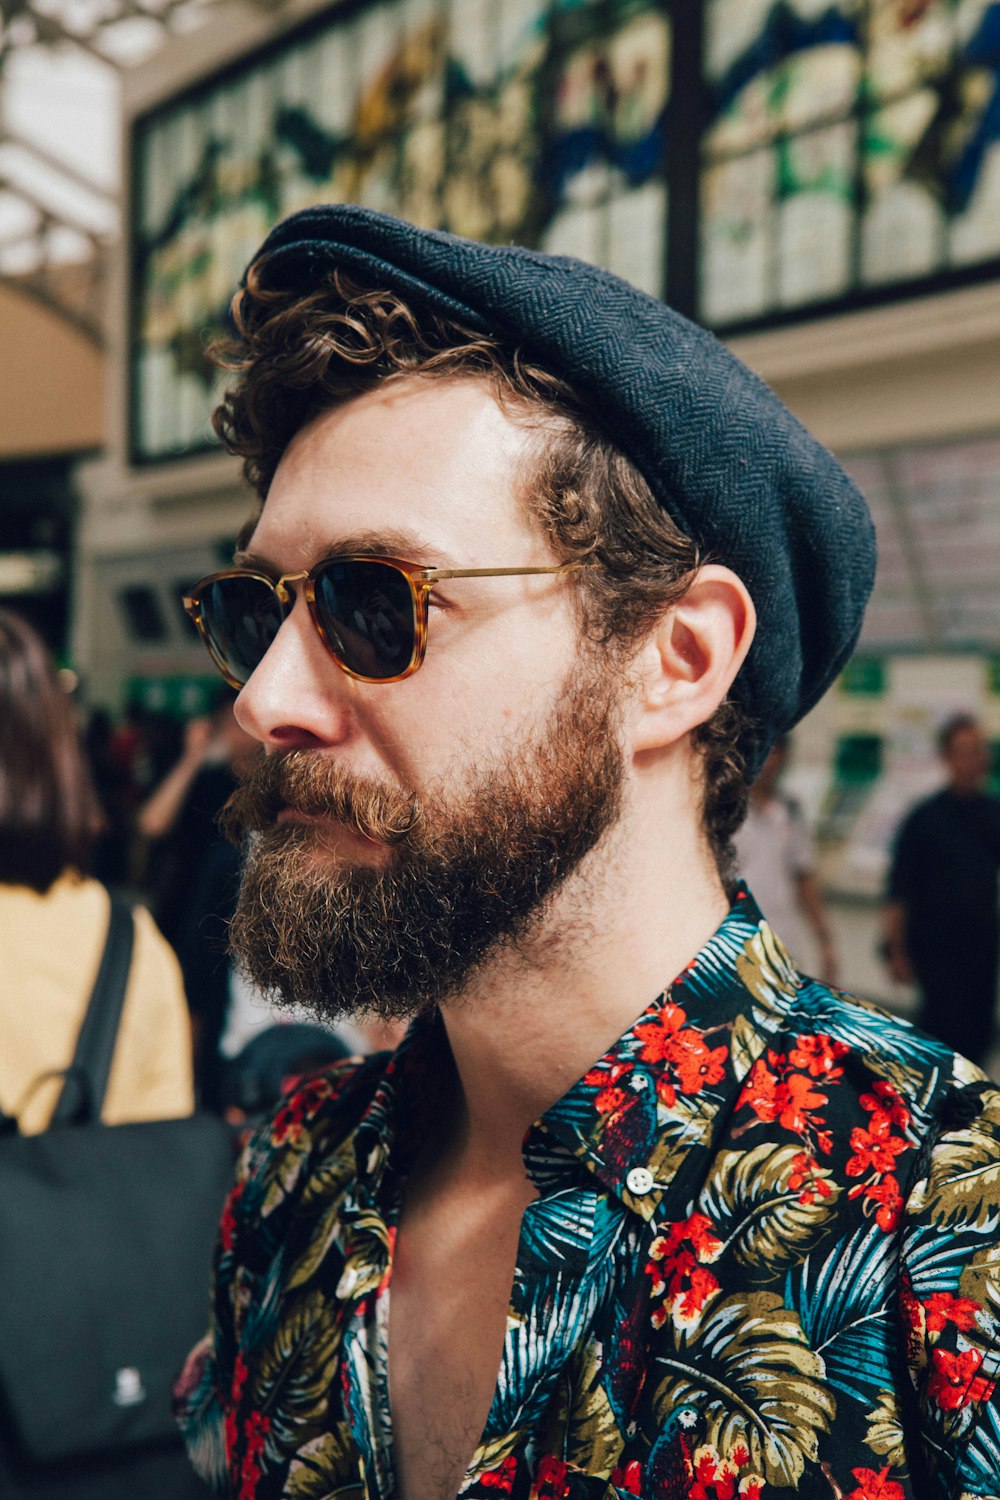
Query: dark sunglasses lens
<point>241,617</point>
<point>366,610</point>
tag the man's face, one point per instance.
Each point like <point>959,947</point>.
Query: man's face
<point>967,757</point>
<point>419,825</point>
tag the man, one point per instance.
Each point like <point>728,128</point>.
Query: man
<point>776,856</point>
<point>941,924</point>
<point>593,1229</point>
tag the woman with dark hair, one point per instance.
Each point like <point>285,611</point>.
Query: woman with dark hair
<point>54,919</point>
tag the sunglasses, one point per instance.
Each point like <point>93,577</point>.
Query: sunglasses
<point>369,612</point>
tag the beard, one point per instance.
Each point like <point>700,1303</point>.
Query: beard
<point>462,877</point>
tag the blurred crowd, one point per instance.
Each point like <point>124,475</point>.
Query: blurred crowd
<point>131,806</point>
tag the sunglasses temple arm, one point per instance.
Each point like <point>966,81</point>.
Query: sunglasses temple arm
<point>433,575</point>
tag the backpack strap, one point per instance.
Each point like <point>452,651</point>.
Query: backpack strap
<point>87,1075</point>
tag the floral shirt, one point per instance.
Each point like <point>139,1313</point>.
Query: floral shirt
<point>747,1275</point>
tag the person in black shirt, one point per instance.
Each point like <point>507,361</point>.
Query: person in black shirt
<point>196,874</point>
<point>941,924</point>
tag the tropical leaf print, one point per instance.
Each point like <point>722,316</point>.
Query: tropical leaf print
<point>964,1187</point>
<point>570,1227</point>
<point>766,970</point>
<point>777,1204</point>
<point>747,1044</point>
<point>747,1368</point>
<point>910,1061</point>
<point>327,1234</point>
<point>935,1261</point>
<point>284,1179</point>
<point>885,1431</point>
<point>492,1455</point>
<point>328,1179</point>
<point>980,1281</point>
<point>981,1459</point>
<point>844,1303</point>
<point>322,1469</point>
<point>293,1373</point>
<point>593,1440</point>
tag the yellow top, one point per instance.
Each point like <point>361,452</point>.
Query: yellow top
<point>50,949</point>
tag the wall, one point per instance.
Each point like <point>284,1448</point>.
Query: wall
<point>51,382</point>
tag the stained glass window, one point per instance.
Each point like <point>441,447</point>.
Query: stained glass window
<point>817,155</point>
<point>540,121</point>
<point>851,145</point>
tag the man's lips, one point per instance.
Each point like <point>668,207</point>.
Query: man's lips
<point>296,817</point>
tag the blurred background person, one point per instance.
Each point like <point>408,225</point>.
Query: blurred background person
<point>777,858</point>
<point>193,873</point>
<point>54,918</point>
<point>940,918</point>
<point>272,1063</point>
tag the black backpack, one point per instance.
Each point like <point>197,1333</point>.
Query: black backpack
<point>106,1236</point>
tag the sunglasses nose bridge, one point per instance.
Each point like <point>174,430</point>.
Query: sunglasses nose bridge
<point>281,585</point>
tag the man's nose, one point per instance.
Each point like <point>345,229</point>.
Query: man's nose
<point>297,696</point>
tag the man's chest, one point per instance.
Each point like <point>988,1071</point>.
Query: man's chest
<point>450,1291</point>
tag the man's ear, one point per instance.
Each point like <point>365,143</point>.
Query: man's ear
<point>688,662</point>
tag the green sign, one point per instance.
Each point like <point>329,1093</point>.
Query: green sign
<point>864,676</point>
<point>177,697</point>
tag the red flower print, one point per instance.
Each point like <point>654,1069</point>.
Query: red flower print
<point>885,1100</point>
<point>875,1486</point>
<point>657,1034</point>
<point>942,1308</point>
<point>789,1099</point>
<point>875,1150</point>
<point>628,1479</point>
<point>818,1055</point>
<point>690,1063</point>
<point>232,1431</point>
<point>717,1478</point>
<point>676,1267</point>
<point>550,1480</point>
<point>889,1199</point>
<point>227,1224</point>
<point>300,1107</point>
<point>803,1176</point>
<point>501,1478</point>
<point>257,1428</point>
<point>697,1064</point>
<point>954,1383</point>
<point>795,1100</point>
<point>612,1094</point>
<point>761,1092</point>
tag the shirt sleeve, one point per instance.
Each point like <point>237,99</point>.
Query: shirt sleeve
<point>949,1300</point>
<point>203,1394</point>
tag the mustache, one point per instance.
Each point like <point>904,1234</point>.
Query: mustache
<point>306,781</point>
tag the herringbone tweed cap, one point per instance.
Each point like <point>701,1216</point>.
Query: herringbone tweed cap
<point>723,455</point>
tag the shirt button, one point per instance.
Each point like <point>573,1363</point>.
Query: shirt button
<point>639,1181</point>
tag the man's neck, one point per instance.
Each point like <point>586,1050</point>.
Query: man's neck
<point>532,1024</point>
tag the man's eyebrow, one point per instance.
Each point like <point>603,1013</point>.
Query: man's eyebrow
<point>407,545</point>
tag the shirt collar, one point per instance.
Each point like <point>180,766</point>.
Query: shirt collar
<point>644,1116</point>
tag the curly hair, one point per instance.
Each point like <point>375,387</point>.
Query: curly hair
<point>295,355</point>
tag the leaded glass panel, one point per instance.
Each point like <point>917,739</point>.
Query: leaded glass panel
<point>526,120</point>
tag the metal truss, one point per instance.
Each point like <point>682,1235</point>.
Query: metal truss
<point>54,254</point>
